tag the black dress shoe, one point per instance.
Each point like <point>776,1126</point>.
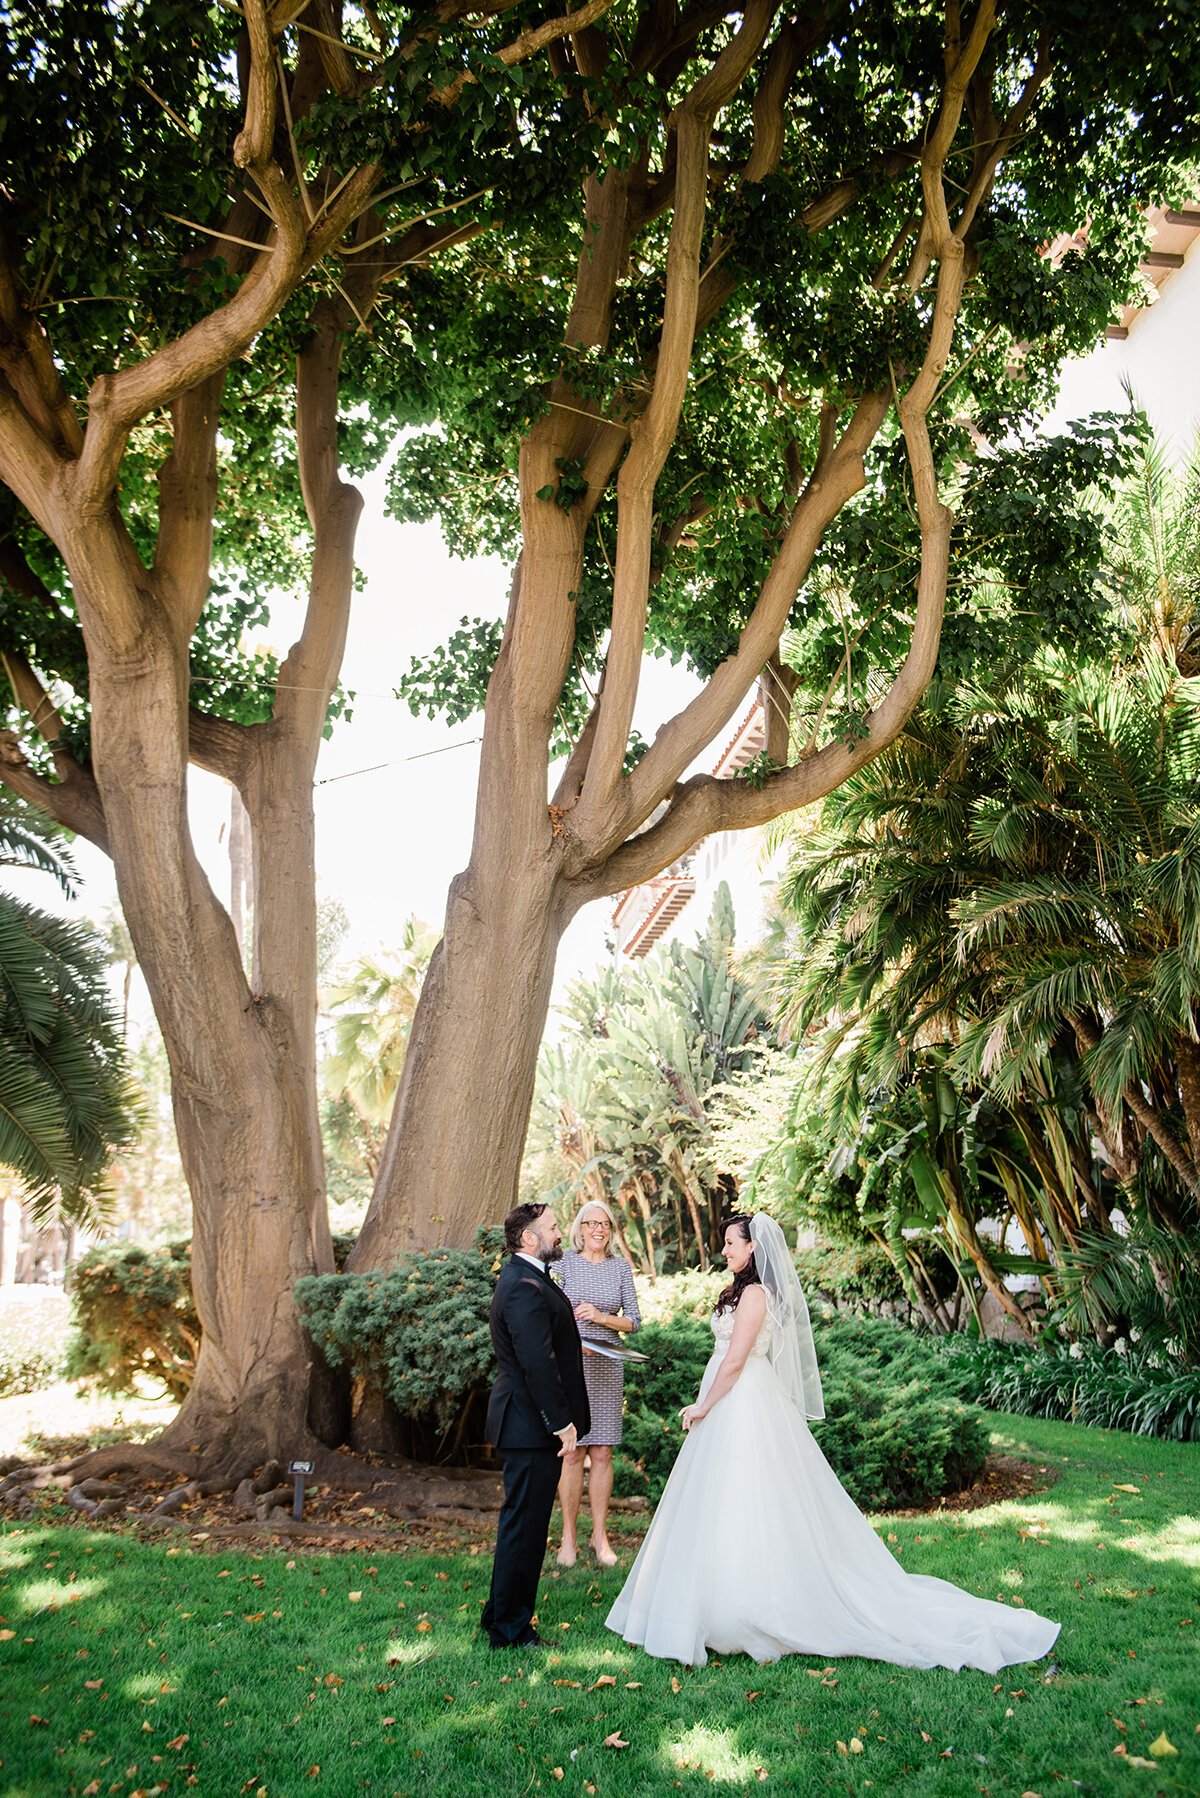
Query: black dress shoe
<point>532,1640</point>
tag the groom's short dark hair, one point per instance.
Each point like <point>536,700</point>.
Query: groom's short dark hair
<point>517,1222</point>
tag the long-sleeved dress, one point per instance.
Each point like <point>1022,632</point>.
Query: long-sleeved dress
<point>608,1285</point>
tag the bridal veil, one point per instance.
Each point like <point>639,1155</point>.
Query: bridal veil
<point>791,1351</point>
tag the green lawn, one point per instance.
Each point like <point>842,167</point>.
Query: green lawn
<point>131,1667</point>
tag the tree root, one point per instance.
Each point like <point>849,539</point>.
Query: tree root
<point>86,1480</point>
<point>260,1485</point>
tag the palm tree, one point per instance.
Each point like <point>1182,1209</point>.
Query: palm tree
<point>66,1100</point>
<point>371,1009</point>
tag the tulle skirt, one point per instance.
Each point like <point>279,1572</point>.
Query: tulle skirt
<point>756,1549</point>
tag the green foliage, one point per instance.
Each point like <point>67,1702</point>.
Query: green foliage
<point>896,1431</point>
<point>1145,1284</point>
<point>624,1101</point>
<point>371,1007</point>
<point>673,1298</point>
<point>987,950</point>
<point>134,1318</point>
<point>31,1340</point>
<point>655,1393</point>
<point>1131,1386</point>
<point>68,1104</point>
<point>810,323</point>
<point>894,1440</point>
<point>419,1334</point>
<point>860,1275</point>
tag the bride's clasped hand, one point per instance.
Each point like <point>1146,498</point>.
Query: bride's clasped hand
<point>755,1547</point>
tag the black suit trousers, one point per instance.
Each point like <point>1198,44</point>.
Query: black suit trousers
<point>530,1482</point>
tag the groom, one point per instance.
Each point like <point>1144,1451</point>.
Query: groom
<point>537,1412</point>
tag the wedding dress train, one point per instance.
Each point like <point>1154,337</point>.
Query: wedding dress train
<point>756,1548</point>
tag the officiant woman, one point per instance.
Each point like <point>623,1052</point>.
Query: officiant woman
<point>599,1285</point>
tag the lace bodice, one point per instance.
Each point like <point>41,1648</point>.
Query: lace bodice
<point>722,1325</point>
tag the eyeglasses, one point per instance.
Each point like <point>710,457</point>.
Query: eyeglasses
<point>602,1225</point>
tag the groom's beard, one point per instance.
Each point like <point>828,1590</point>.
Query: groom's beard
<point>554,1254</point>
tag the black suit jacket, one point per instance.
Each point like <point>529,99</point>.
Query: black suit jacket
<point>540,1388</point>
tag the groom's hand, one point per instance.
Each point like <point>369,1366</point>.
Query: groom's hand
<point>569,1439</point>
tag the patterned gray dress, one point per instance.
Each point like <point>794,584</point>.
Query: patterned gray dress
<point>608,1285</point>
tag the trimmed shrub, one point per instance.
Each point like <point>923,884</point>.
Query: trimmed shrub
<point>1136,1389</point>
<point>418,1334</point>
<point>133,1315</point>
<point>655,1392</point>
<point>896,1431</point>
<point>31,1343</point>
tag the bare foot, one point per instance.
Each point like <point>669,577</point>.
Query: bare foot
<point>566,1556</point>
<point>604,1555</point>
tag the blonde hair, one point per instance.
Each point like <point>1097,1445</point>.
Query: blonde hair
<point>577,1225</point>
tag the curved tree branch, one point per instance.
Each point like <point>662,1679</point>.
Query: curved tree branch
<point>73,799</point>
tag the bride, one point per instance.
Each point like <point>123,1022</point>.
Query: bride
<point>809,1575</point>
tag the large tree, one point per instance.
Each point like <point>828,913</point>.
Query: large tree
<point>678,285</point>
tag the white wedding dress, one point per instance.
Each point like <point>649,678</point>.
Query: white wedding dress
<point>757,1549</point>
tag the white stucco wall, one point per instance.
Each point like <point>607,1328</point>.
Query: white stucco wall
<point>1160,358</point>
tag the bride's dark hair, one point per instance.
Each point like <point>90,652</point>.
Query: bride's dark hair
<point>731,1296</point>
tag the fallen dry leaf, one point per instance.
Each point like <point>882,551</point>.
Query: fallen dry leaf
<point>1136,1489</point>
<point>6,1635</point>
<point>315,1769</point>
<point>568,1682</point>
<point>354,1597</point>
<point>675,1685</point>
<point>556,1773</point>
<point>856,1746</point>
<point>386,1722</point>
<point>633,1685</point>
<point>841,1747</point>
<point>178,1742</point>
<point>1160,1747</point>
<point>38,1722</point>
<point>616,1740</point>
<point>605,1679</point>
<point>424,1627</point>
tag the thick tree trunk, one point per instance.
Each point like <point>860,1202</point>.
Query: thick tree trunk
<point>238,1071</point>
<point>454,1150</point>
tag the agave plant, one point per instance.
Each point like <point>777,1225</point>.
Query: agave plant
<point>626,1098</point>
